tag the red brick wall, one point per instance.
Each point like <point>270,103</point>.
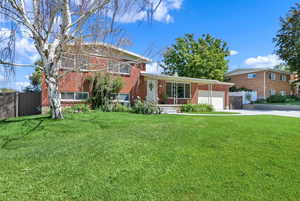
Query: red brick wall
<point>77,81</point>
<point>257,84</point>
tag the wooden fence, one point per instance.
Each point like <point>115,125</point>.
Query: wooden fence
<point>19,104</point>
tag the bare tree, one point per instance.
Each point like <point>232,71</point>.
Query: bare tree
<point>55,25</point>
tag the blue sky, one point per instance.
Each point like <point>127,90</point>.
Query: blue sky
<point>248,26</point>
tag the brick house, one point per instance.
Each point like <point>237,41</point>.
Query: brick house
<point>265,81</point>
<point>131,67</point>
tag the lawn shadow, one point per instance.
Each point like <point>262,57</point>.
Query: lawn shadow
<point>7,139</point>
<point>22,119</point>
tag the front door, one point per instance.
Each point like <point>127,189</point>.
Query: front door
<point>152,90</point>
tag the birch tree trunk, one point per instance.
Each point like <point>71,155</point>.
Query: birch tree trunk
<point>54,98</point>
<point>53,92</point>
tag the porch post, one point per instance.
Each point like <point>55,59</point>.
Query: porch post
<point>174,88</point>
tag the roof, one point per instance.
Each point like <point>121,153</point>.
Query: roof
<point>253,70</point>
<point>184,79</point>
<point>113,47</point>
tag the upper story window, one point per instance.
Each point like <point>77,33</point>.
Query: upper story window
<point>74,61</point>
<point>251,75</point>
<point>74,96</point>
<point>178,90</point>
<point>272,76</point>
<point>121,68</point>
<point>283,77</point>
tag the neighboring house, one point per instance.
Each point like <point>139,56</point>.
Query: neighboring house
<point>162,89</point>
<point>265,81</point>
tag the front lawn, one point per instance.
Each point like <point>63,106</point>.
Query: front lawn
<point>129,157</point>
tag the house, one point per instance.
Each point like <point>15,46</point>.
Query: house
<point>131,67</point>
<point>265,81</point>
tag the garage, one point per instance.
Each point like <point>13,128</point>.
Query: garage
<point>216,99</point>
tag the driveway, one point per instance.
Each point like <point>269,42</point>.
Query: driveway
<point>250,113</point>
<point>269,112</point>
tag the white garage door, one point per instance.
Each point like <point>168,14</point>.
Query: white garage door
<point>217,99</point>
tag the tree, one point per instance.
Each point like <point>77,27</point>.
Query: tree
<point>55,25</point>
<point>35,78</point>
<point>282,67</point>
<point>288,39</point>
<point>202,58</point>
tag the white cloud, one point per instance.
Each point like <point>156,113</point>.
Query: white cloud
<point>25,49</point>
<point>233,52</point>
<point>2,78</point>
<point>154,68</point>
<point>27,77</point>
<point>21,85</point>
<point>263,61</point>
<point>161,14</point>
<point>4,32</point>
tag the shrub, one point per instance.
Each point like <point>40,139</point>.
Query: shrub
<point>144,107</point>
<point>103,90</point>
<point>120,108</point>
<point>186,108</point>
<point>77,108</point>
<point>197,108</point>
<point>260,101</point>
<point>276,99</point>
<point>114,107</point>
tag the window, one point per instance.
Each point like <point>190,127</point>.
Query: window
<point>283,77</point>
<point>74,96</point>
<point>272,76</point>
<point>74,61</point>
<point>272,92</point>
<point>120,68</point>
<point>283,93</point>
<point>251,75</point>
<point>122,98</point>
<point>178,90</point>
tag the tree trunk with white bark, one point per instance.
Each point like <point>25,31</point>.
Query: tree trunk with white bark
<point>54,98</point>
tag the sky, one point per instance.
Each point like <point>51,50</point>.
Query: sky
<point>248,27</point>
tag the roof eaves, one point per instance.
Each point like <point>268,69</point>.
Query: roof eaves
<point>121,50</point>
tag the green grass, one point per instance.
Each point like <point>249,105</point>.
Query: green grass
<point>129,157</point>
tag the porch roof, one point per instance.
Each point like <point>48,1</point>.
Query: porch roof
<point>183,79</point>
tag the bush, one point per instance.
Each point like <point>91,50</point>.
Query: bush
<point>77,108</point>
<point>120,108</point>
<point>114,107</point>
<point>186,108</point>
<point>260,101</point>
<point>103,88</point>
<point>144,107</point>
<point>197,108</point>
<point>280,99</point>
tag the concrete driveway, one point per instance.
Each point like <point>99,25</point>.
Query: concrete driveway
<point>268,112</point>
<point>249,113</point>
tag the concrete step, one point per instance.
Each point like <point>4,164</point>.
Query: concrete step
<point>169,110</point>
